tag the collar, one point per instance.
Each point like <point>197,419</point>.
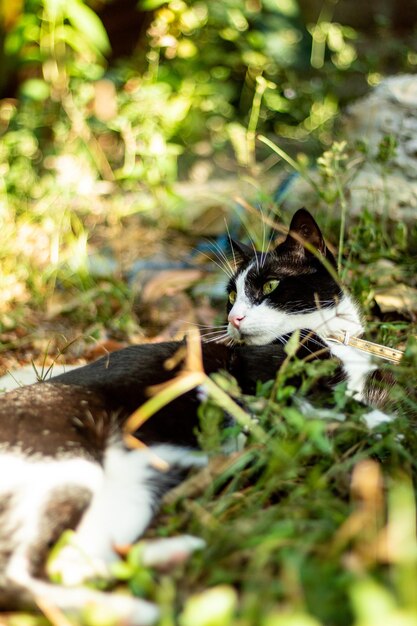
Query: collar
<point>389,354</point>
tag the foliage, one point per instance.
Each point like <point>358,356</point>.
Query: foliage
<point>81,131</point>
<point>319,516</point>
<point>300,524</point>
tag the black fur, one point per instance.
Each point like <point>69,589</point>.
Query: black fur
<point>78,409</point>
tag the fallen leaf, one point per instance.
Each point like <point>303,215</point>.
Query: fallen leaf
<point>169,282</point>
<point>399,298</point>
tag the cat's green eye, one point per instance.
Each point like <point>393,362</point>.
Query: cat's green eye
<point>270,286</point>
<point>232,297</point>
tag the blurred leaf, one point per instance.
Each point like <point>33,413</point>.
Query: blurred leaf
<point>374,605</point>
<point>213,607</point>
<point>150,5</point>
<point>9,12</point>
<point>36,89</point>
<point>293,344</point>
<point>88,23</point>
<point>67,538</point>
<point>289,8</point>
<point>237,134</point>
<point>96,615</point>
<point>284,619</point>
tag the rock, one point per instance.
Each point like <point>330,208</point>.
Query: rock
<point>387,188</point>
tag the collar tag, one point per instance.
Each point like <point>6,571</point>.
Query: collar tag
<point>382,352</point>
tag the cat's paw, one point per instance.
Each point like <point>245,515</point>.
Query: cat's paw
<point>132,611</point>
<point>376,417</point>
<point>166,553</point>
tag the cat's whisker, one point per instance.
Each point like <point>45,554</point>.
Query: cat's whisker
<point>210,330</point>
<point>214,335</point>
<point>252,243</point>
<point>218,259</point>
<point>231,242</point>
<point>266,248</point>
<point>221,256</point>
<point>204,326</point>
<point>216,339</point>
<point>220,265</point>
<point>271,237</point>
<point>263,254</point>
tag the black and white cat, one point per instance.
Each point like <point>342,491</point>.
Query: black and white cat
<point>272,295</point>
<point>62,459</point>
<point>295,286</point>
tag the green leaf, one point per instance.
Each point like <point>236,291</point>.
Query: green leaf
<point>35,89</point>
<point>212,607</point>
<point>150,5</point>
<point>297,619</point>
<point>122,570</point>
<point>372,603</point>
<point>84,20</point>
<point>67,538</point>
<point>293,344</point>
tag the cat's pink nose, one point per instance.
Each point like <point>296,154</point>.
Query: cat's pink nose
<point>235,320</point>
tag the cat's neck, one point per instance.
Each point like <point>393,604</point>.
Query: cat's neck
<point>357,365</point>
<point>344,317</point>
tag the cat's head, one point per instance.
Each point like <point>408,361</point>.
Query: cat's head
<point>288,288</point>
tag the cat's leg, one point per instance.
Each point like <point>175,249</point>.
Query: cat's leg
<point>76,600</point>
<point>39,498</point>
<point>121,510</point>
<point>164,553</point>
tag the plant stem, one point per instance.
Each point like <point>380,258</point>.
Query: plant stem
<point>343,207</point>
<point>286,157</point>
<point>261,85</point>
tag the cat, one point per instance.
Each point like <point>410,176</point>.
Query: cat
<point>295,286</point>
<point>63,463</point>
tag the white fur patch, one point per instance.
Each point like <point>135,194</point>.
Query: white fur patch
<point>263,323</point>
<point>242,305</point>
<point>357,365</point>
<point>375,418</point>
<point>124,506</point>
<point>31,480</point>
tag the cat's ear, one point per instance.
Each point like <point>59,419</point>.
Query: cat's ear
<point>240,251</point>
<point>305,230</point>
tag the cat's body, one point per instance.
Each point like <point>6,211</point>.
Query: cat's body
<point>62,460</point>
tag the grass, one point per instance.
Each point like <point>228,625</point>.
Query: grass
<point>315,525</point>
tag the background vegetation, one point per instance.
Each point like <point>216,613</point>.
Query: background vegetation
<point>127,132</point>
